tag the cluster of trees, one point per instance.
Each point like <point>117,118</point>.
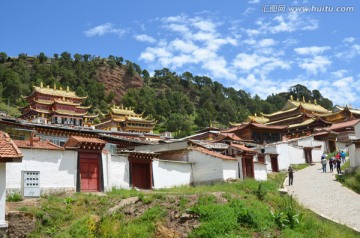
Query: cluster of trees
<point>19,74</point>
<point>180,103</point>
<point>184,103</point>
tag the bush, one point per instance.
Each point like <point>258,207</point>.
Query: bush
<point>261,192</point>
<point>14,197</point>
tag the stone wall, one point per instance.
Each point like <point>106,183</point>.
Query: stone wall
<point>21,224</point>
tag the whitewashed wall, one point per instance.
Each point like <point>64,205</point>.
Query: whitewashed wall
<point>341,146</point>
<point>2,194</point>
<point>357,130</point>
<point>118,172</point>
<point>57,169</point>
<point>354,155</point>
<point>230,169</point>
<point>206,168</point>
<point>268,163</point>
<point>168,174</point>
<point>260,171</point>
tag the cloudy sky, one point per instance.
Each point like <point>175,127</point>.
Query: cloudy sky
<point>259,46</point>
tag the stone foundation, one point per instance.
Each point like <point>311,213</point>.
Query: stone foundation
<point>21,224</point>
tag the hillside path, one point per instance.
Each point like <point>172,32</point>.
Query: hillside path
<point>320,193</point>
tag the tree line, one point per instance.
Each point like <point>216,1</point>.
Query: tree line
<point>181,103</point>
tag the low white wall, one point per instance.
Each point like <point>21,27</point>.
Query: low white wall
<point>354,155</point>
<point>230,169</point>
<point>2,194</point>
<point>57,169</point>
<point>118,172</point>
<point>260,171</point>
<point>206,168</point>
<point>168,174</point>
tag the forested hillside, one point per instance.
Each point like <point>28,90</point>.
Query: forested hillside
<point>181,103</point>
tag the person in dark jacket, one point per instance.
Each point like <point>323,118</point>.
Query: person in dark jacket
<point>331,164</point>
<point>338,166</point>
<point>291,175</point>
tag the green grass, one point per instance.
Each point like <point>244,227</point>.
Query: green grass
<point>297,167</point>
<point>242,209</point>
<point>14,197</point>
<point>350,180</point>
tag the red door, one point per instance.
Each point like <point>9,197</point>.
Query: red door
<point>89,172</point>
<point>141,176</point>
<point>274,163</point>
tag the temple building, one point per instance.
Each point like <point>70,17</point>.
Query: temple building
<point>124,119</point>
<point>55,106</point>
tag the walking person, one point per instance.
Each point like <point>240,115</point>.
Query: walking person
<point>331,164</point>
<point>343,155</point>
<point>338,166</point>
<point>323,162</point>
<point>291,175</point>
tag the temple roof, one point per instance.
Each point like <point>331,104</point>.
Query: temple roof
<point>122,111</point>
<point>77,141</point>
<point>37,144</point>
<point>306,105</point>
<point>66,102</point>
<point>345,124</point>
<point>8,149</point>
<point>242,147</point>
<point>304,123</point>
<point>67,112</point>
<point>286,119</point>
<point>280,112</point>
<point>56,92</point>
<point>213,153</point>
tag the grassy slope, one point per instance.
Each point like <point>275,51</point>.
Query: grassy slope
<point>241,209</point>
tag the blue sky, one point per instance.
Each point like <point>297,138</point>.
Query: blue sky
<point>259,46</point>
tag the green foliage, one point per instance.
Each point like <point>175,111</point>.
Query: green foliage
<point>350,180</point>
<point>287,216</point>
<point>261,192</point>
<point>14,197</point>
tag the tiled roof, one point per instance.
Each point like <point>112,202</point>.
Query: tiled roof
<point>213,153</point>
<point>231,135</point>
<point>345,124</point>
<point>242,147</point>
<point>8,149</point>
<point>37,144</point>
<point>57,92</point>
<point>76,141</point>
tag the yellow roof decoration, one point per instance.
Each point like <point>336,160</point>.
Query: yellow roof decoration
<point>57,92</point>
<point>285,119</point>
<point>307,106</point>
<point>279,112</point>
<point>304,123</point>
<point>261,120</point>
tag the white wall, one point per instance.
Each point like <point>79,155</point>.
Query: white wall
<point>57,169</point>
<point>206,168</point>
<point>260,171</point>
<point>2,194</point>
<point>354,155</point>
<point>230,169</point>
<point>118,172</point>
<point>357,130</point>
<point>168,174</point>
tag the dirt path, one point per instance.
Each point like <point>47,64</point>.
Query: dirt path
<point>320,193</point>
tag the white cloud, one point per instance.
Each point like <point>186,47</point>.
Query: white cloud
<point>343,82</point>
<point>340,73</point>
<point>107,28</point>
<point>266,42</point>
<point>313,50</point>
<point>349,40</point>
<point>315,65</point>
<point>254,1</point>
<point>144,38</point>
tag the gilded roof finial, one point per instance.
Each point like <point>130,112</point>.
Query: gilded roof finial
<point>54,85</point>
<point>303,99</point>
<point>291,98</point>
<point>60,88</point>
<point>309,101</point>
<point>255,114</point>
<point>297,99</point>
<point>41,84</point>
<point>67,89</point>
<point>315,102</point>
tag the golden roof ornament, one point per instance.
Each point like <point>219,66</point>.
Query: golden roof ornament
<point>255,114</point>
<point>61,88</point>
<point>54,85</point>
<point>67,89</point>
<point>315,102</point>
<point>41,84</point>
<point>303,99</point>
<point>291,98</point>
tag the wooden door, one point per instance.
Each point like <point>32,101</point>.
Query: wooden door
<point>308,156</point>
<point>249,168</point>
<point>89,173</point>
<point>274,164</point>
<point>141,175</point>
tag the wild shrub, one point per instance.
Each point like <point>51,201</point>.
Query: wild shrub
<point>14,197</point>
<point>287,216</point>
<point>261,192</point>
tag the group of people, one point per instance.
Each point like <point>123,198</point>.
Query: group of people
<point>334,162</point>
